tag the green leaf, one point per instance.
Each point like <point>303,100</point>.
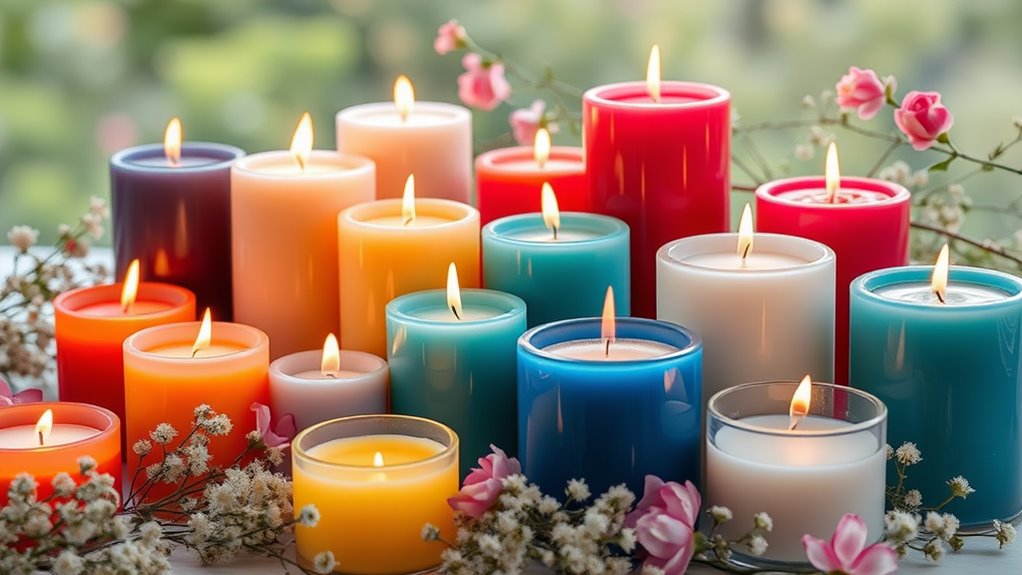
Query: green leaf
<point>943,165</point>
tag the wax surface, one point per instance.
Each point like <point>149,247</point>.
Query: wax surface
<point>468,313</point>
<point>25,436</point>
<point>847,196</point>
<point>399,221</point>
<point>957,294</point>
<point>186,161</point>
<point>563,235</point>
<point>394,449</point>
<point>619,350</point>
<point>754,261</point>
<point>415,119</point>
<point>185,350</point>
<point>342,374</point>
<point>114,309</point>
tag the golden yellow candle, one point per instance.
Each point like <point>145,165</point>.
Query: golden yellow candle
<point>376,481</point>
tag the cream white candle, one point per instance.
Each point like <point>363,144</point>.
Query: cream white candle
<point>26,436</point>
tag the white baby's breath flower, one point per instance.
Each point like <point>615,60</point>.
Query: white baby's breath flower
<point>547,506</point>
<point>913,499</point>
<point>758,545</point>
<point>142,447</point>
<point>762,520</point>
<point>489,544</point>
<point>1004,532</point>
<point>275,455</point>
<point>808,102</point>
<point>960,487</point>
<point>202,411</point>
<point>37,525</point>
<point>890,451</point>
<point>309,515</point>
<point>150,532</point>
<point>99,207</point>
<point>68,563</point>
<point>430,532</point>
<point>648,569</point>
<point>324,562</point>
<point>950,527</point>
<point>23,485</point>
<point>163,434</point>
<point>804,152</point>
<point>218,424</point>
<point>595,523</point>
<point>900,526</point>
<point>908,454</point>
<point>720,514</point>
<point>934,551</point>
<point>23,237</point>
<point>577,490</point>
<point>93,225</point>
<point>934,522</point>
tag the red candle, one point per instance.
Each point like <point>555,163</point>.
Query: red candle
<point>866,225</point>
<point>509,180</point>
<point>657,157</point>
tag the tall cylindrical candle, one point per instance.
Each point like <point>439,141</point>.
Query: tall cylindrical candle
<point>508,181</point>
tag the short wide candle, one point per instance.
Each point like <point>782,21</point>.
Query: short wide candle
<point>508,181</point>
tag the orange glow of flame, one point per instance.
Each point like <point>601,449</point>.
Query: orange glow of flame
<point>653,73</point>
<point>551,213</point>
<point>453,291</point>
<point>608,327</point>
<point>330,364</point>
<point>408,201</point>
<point>832,173</point>
<point>378,459</point>
<point>205,333</point>
<point>404,96</point>
<point>800,401</point>
<point>129,291</point>
<point>940,271</point>
<point>301,142</point>
<point>745,234</point>
<point>541,146</point>
<point>44,426</point>
<point>172,142</point>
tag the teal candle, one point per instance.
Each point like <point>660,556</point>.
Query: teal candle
<point>558,278</point>
<point>950,376</point>
<point>460,372</point>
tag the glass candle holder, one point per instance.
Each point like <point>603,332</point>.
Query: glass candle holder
<point>833,462</point>
<point>376,481</point>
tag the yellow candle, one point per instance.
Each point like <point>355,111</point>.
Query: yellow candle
<point>376,481</point>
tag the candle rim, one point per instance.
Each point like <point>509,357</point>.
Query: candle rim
<point>301,453</point>
<point>764,241</point>
<point>865,285</point>
<point>461,213</point>
<point>715,95</point>
<point>312,358</point>
<point>452,114</point>
<point>775,190</point>
<point>606,228</point>
<point>111,424</point>
<point>403,307</point>
<point>352,166</point>
<point>255,342</point>
<point>497,160</point>
<point>226,156</point>
<point>624,324</point>
<point>176,298</point>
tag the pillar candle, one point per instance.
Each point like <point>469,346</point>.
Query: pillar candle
<point>508,180</point>
<point>950,374</point>
<point>376,481</point>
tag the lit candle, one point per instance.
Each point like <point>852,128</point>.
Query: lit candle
<point>284,218</point>
<point>47,438</point>
<point>559,263</point>
<point>763,304</point>
<point>809,462</point>
<point>90,325</point>
<point>393,247</point>
<point>657,157</point>
<point>507,179</point>
<point>376,480</point>
<point>430,139</point>
<point>172,210</point>
<point>610,400</point>
<point>943,349</point>
<point>864,220</point>
<point>316,386</point>
<point>452,359</point>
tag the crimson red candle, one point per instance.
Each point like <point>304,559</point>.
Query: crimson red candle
<point>509,181</point>
<point>867,227</point>
<point>661,166</point>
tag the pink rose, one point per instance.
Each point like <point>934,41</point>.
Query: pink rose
<point>483,84</point>
<point>484,484</point>
<point>923,118</point>
<point>281,434</point>
<point>450,36</point>
<point>862,91</point>
<point>525,122</point>
<point>847,552</point>
<point>665,522</point>
<point>8,397</point>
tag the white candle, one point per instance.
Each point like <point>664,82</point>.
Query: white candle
<point>26,436</point>
<point>624,349</point>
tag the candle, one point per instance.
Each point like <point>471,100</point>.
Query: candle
<point>284,217</point>
<point>615,417</point>
<point>171,369</point>
<point>68,431</point>
<point>452,359</point>
<point>376,480</point>
<point>429,139</point>
<point>949,372</point>
<point>768,315</point>
<point>660,163</point>
<point>392,247</point>
<point>172,211</point>
<point>558,277</point>
<point>508,179</point>
<point>316,386</point>
<point>864,220</point>
<point>807,477</point>
<point>90,325</point>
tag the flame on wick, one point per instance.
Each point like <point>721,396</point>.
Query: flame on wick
<point>940,271</point>
<point>330,363</point>
<point>745,234</point>
<point>378,459</point>
<point>608,327</point>
<point>404,96</point>
<point>800,401</point>
<point>44,426</point>
<point>551,213</point>
<point>408,201</point>
<point>172,142</point>
<point>541,147</point>
<point>653,73</point>
<point>205,333</point>
<point>832,173</point>
<point>301,142</point>
<point>453,291</point>
<point>129,291</point>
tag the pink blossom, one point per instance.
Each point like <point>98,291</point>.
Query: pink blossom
<point>484,484</point>
<point>483,84</point>
<point>664,522</point>
<point>280,435</point>
<point>923,118</point>
<point>450,36</point>
<point>525,122</point>
<point>8,397</point>
<point>847,553</point>
<point>862,91</point>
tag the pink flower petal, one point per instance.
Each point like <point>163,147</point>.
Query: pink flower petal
<point>650,497</point>
<point>877,559</point>
<point>820,554</point>
<point>662,535</point>
<point>849,538</point>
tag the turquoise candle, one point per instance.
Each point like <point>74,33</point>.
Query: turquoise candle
<point>950,376</point>
<point>460,372</point>
<point>560,278</point>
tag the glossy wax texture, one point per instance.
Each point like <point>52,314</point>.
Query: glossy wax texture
<point>663,168</point>
<point>90,352</point>
<point>460,373</point>
<point>609,421</point>
<point>44,463</point>
<point>564,278</point>
<point>285,242</point>
<point>176,220</point>
<point>950,377</point>
<point>756,323</point>
<point>434,143</point>
<point>865,236</point>
<point>509,181</point>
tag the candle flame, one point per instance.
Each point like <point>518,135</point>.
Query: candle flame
<point>608,327</point>
<point>653,73</point>
<point>408,201</point>
<point>378,459</point>
<point>330,363</point>
<point>800,401</point>
<point>205,333</point>
<point>172,142</point>
<point>453,291</point>
<point>551,213</point>
<point>940,271</point>
<point>404,96</point>
<point>301,142</point>
<point>832,173</point>
<point>129,291</point>
<point>745,234</point>
<point>541,147</point>
<point>44,426</point>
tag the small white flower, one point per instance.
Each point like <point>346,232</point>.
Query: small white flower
<point>934,551</point>
<point>548,505</point>
<point>908,454</point>
<point>203,411</point>
<point>489,545</point>
<point>37,525</point>
<point>98,207</point>
<point>762,520</point>
<point>163,434</point>
<point>150,532</point>
<point>934,522</point>
<point>577,490</point>
<point>651,570</point>
<point>757,545</point>
<point>950,527</point>
<point>63,485</point>
<point>804,152</point>
<point>890,451</point>
<point>63,230</point>
<point>960,487</point>
<point>23,485</point>
<point>913,499</point>
<point>720,514</point>
<point>142,447</point>
<point>808,102</point>
<point>627,539</point>
<point>324,562</point>
<point>219,424</point>
<point>1004,532</point>
<point>93,225</point>
<point>309,515</point>
<point>68,563</point>
<point>430,532</point>
<point>23,237</point>
<point>900,526</point>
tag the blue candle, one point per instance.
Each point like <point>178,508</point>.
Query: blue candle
<point>175,217</point>
<point>609,417</point>
<point>457,369</point>
<point>950,376</point>
<point>563,277</point>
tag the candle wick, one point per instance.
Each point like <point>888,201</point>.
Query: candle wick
<point>194,351</point>
<point>301,163</point>
<point>330,374</point>
<point>127,308</point>
<point>40,439</point>
<point>454,310</point>
<point>606,352</point>
<point>554,228</point>
<point>408,220</point>
<point>793,422</point>
<point>940,296</point>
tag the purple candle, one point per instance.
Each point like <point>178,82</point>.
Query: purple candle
<point>172,211</point>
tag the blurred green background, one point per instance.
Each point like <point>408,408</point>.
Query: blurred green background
<point>80,79</point>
